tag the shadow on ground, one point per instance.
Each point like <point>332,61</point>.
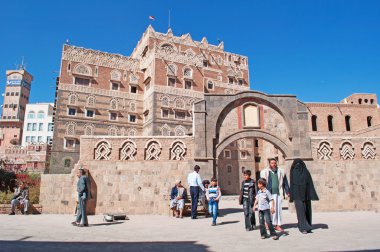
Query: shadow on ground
<point>226,211</point>
<point>315,226</point>
<point>42,246</point>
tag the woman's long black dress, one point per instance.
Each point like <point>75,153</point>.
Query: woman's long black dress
<point>302,192</point>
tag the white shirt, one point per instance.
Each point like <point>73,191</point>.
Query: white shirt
<point>195,180</point>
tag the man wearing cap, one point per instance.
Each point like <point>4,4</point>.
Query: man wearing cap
<point>195,183</point>
<point>21,198</point>
<point>84,193</point>
<point>177,199</point>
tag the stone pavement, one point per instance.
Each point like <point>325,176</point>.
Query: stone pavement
<point>343,231</point>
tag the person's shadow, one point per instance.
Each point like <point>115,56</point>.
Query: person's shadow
<point>91,204</point>
<point>315,226</point>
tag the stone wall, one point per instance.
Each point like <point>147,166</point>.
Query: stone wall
<point>346,186</point>
<point>136,187</point>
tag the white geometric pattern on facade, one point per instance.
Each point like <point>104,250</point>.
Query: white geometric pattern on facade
<point>347,151</point>
<point>83,69</point>
<point>165,130</point>
<point>153,151</point>
<point>70,128</point>
<point>112,131</point>
<point>134,79</point>
<point>114,104</point>
<point>116,75</point>
<point>102,151</point>
<point>165,101</point>
<point>128,151</point>
<point>98,91</point>
<point>92,57</point>
<point>88,130</point>
<point>132,106</point>
<point>180,103</point>
<point>368,151</point>
<point>73,99</point>
<point>180,131</point>
<point>177,151</point>
<point>132,132</point>
<point>90,101</point>
<point>325,151</point>
<point>188,73</point>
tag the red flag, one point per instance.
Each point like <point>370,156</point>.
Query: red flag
<point>151,18</point>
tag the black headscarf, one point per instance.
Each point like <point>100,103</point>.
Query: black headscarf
<point>301,183</point>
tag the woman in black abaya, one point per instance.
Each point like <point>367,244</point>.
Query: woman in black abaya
<point>302,192</point>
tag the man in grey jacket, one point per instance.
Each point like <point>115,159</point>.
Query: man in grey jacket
<point>21,197</point>
<point>84,193</point>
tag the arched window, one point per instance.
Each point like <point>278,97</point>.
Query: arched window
<point>73,99</point>
<point>31,115</point>
<point>348,124</point>
<point>369,121</point>
<point>360,101</point>
<point>172,69</point>
<point>372,101</point>
<point>113,104</point>
<point>314,123</point>
<point>91,101</point>
<point>330,122</point>
<point>41,115</point>
<point>188,73</point>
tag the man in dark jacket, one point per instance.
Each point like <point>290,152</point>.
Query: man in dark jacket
<point>84,193</point>
<point>247,199</point>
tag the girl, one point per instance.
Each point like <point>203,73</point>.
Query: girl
<point>213,195</point>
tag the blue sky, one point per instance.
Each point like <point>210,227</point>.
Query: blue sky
<point>320,50</point>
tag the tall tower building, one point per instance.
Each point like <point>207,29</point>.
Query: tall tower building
<point>16,96</point>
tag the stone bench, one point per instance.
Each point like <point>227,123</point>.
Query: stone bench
<point>33,209</point>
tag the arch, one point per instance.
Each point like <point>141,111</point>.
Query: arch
<point>132,132</point>
<point>244,97</point>
<point>180,130</point>
<point>165,101</point>
<point>255,133</point>
<point>112,131</point>
<point>73,99</point>
<point>83,69</point>
<point>168,47</point>
<point>368,150</point>
<point>70,128</point>
<point>88,130</point>
<point>347,150</point>
<point>324,150</point>
<point>178,150</point>
<point>41,114</point>
<point>179,103</point>
<point>153,150</point>
<point>189,53</point>
<point>165,130</point>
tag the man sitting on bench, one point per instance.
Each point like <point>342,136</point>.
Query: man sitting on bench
<point>21,198</point>
<point>177,199</point>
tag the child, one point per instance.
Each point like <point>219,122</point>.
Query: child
<point>263,199</point>
<point>247,198</point>
<point>202,196</point>
<point>213,195</point>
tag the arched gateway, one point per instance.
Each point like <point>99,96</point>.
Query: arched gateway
<point>222,120</point>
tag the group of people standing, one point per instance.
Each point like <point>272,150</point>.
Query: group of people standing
<point>266,196</point>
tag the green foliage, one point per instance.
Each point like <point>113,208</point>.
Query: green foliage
<point>6,197</point>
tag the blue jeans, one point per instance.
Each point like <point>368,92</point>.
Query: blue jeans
<point>213,209</point>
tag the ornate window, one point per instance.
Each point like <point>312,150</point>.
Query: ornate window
<point>177,151</point>
<point>112,131</point>
<point>153,150</point>
<point>83,70</point>
<point>70,129</point>
<point>113,104</point>
<point>90,101</point>
<point>180,103</point>
<point>347,151</point>
<point>165,101</point>
<point>73,99</point>
<point>180,130</point>
<point>165,130</point>
<point>167,48</point>
<point>116,75</point>
<point>368,151</point>
<point>188,73</point>
<point>102,151</point>
<point>128,151</point>
<point>132,132</point>
<point>133,79</point>
<point>31,115</point>
<point>88,130</point>
<point>132,106</point>
<point>325,150</point>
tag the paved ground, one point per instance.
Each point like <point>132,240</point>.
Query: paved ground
<point>347,231</point>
